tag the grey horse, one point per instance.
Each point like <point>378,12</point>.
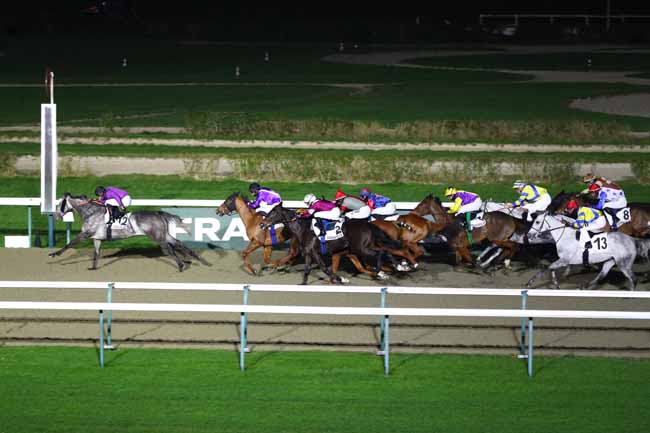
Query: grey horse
<point>613,248</point>
<point>157,225</point>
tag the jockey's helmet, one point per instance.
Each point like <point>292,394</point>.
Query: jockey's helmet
<point>594,187</point>
<point>588,178</point>
<point>450,191</point>
<point>254,187</point>
<point>100,190</point>
<point>364,193</point>
<point>518,184</point>
<point>339,194</point>
<point>571,205</point>
<point>309,199</point>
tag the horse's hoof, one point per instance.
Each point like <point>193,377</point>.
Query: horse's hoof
<point>92,269</point>
<point>344,280</point>
<point>383,275</point>
<point>415,265</point>
<point>402,268</point>
<point>54,254</point>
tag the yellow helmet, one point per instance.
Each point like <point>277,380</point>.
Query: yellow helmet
<point>518,184</point>
<point>450,191</point>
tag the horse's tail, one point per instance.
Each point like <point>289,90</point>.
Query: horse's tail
<point>383,240</point>
<point>174,222</point>
<point>642,247</point>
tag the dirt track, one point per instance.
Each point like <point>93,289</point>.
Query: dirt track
<point>297,332</point>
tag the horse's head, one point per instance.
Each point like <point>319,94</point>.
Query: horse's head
<point>229,205</point>
<point>70,203</point>
<point>278,215</point>
<point>561,200</point>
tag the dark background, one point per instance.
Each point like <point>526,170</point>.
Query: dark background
<point>321,22</point>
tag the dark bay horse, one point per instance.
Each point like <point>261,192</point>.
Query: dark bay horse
<point>501,230</point>
<point>361,239</point>
<point>409,229</point>
<point>257,235</point>
<point>638,227</point>
<point>157,225</point>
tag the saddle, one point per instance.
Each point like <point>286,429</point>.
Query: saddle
<point>393,217</point>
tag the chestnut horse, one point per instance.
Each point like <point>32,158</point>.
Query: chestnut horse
<point>258,236</point>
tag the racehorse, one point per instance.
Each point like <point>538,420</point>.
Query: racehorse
<point>157,225</point>
<point>410,228</point>
<point>638,227</point>
<point>610,249</point>
<point>258,236</point>
<point>360,239</point>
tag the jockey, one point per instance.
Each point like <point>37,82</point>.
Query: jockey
<point>587,217</point>
<point>591,179</point>
<point>265,199</point>
<point>532,198</point>
<point>321,210</point>
<point>464,202</point>
<point>610,200</point>
<point>381,207</point>
<point>116,201</point>
<point>363,213</point>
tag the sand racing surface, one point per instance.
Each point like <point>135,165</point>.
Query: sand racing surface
<point>292,332</point>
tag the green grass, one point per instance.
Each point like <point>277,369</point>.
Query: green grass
<point>13,219</point>
<point>63,390</point>
<point>570,61</point>
<point>405,94</point>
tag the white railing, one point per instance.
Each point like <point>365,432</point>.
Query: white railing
<point>384,312</point>
<point>294,204</point>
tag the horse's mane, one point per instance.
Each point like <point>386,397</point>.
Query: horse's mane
<point>559,198</point>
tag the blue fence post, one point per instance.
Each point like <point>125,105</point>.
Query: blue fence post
<point>101,338</point>
<point>51,243</point>
<point>382,323</point>
<point>530,347</point>
<point>109,317</point>
<point>29,224</point>
<point>522,343</point>
<point>243,332</point>
<point>386,346</point>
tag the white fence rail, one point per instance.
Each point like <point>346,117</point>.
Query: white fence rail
<point>383,311</point>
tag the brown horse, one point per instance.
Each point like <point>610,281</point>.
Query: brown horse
<point>410,228</point>
<point>501,230</point>
<point>258,236</point>
<point>638,227</point>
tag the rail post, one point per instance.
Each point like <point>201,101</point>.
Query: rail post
<point>101,338</point>
<point>522,343</point>
<point>109,317</point>
<point>530,347</point>
<point>382,323</point>
<point>243,332</point>
<point>386,347</point>
<point>29,225</point>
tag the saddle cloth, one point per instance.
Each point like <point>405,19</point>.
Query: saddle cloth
<point>334,229</point>
<point>478,221</point>
<point>624,216</point>
<point>120,223</point>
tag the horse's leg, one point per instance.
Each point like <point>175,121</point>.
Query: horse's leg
<point>184,249</point>
<point>307,270</point>
<point>98,246</point>
<point>291,255</point>
<point>80,237</point>
<point>171,251</point>
<point>626,268</point>
<point>359,266</point>
<point>252,246</point>
<point>560,263</point>
<point>607,266</point>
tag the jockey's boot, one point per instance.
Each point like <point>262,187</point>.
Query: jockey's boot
<point>612,213</point>
<point>320,223</point>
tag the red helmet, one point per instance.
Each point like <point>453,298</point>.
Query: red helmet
<point>339,194</point>
<point>594,187</point>
<point>572,205</point>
